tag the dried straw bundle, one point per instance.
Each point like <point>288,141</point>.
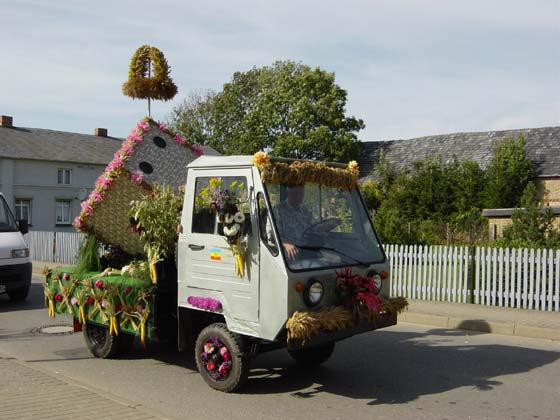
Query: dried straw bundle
<point>110,222</point>
<point>301,172</point>
<point>139,85</point>
<point>302,325</point>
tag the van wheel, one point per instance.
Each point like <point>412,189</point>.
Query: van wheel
<point>101,344</point>
<point>18,294</point>
<point>219,358</point>
<point>313,356</point>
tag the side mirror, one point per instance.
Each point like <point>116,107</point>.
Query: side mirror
<point>23,226</point>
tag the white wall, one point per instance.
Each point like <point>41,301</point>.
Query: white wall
<point>38,181</point>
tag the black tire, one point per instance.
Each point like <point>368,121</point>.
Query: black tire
<point>126,343</point>
<point>234,343</point>
<point>313,356</point>
<point>101,344</point>
<point>18,294</point>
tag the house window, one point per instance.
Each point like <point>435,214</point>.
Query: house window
<point>62,212</point>
<point>64,176</point>
<point>23,209</point>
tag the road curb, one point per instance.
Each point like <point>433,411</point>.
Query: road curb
<point>480,325</point>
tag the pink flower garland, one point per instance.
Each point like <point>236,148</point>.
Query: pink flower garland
<point>197,149</point>
<point>204,303</point>
<point>137,177</point>
<point>86,207</point>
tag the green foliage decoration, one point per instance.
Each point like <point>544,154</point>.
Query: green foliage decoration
<point>157,216</point>
<point>88,256</point>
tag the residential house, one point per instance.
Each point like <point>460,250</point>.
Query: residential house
<point>45,174</point>
<point>542,146</point>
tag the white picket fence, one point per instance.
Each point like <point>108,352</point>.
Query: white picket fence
<point>59,247</point>
<point>515,278</point>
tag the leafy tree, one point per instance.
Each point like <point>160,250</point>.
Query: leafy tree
<point>532,225</point>
<point>372,194</point>
<point>509,173</point>
<point>193,117</point>
<point>287,108</point>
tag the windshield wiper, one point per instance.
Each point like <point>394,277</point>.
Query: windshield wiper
<point>328,248</point>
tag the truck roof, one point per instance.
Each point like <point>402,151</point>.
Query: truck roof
<point>207,161</point>
<point>221,161</point>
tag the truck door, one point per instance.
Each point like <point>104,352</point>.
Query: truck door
<point>210,263</point>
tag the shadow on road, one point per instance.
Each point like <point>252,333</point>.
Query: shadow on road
<point>384,367</point>
<point>35,300</point>
<point>388,367</point>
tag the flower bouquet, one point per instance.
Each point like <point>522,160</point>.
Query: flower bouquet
<point>225,203</point>
<point>357,292</point>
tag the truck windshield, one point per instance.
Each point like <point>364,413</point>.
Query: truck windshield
<point>7,221</point>
<point>322,227</point>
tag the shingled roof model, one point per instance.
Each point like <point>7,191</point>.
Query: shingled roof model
<point>542,146</point>
<point>151,154</point>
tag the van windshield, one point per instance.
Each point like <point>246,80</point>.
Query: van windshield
<point>7,221</point>
<point>322,227</point>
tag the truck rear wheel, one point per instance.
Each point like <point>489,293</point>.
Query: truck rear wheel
<point>219,358</point>
<point>313,356</point>
<point>101,344</point>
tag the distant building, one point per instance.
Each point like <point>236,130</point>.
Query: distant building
<point>45,174</point>
<point>542,146</point>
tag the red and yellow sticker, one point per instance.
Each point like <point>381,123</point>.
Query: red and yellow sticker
<point>215,254</point>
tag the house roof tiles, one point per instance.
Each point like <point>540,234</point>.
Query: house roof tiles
<point>542,146</point>
<point>60,146</point>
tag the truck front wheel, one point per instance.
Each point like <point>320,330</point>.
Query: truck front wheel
<point>220,359</point>
<point>101,344</point>
<point>313,356</point>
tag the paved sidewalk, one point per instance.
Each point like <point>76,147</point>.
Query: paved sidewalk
<point>508,321</point>
<point>30,393</point>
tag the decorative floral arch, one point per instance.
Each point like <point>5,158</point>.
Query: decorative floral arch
<point>139,85</point>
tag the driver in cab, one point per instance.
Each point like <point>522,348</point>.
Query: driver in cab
<point>293,219</point>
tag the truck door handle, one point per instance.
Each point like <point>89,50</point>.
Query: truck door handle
<point>196,247</point>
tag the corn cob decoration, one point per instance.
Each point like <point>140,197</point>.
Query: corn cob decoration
<point>239,265</point>
<point>81,303</point>
<point>49,298</point>
<point>153,273</point>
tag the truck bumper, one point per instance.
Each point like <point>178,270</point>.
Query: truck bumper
<point>14,277</point>
<point>382,321</point>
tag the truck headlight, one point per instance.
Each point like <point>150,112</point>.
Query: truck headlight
<point>20,253</point>
<point>313,292</point>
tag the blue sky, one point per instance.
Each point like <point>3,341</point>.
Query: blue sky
<point>411,68</point>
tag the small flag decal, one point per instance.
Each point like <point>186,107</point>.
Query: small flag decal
<point>216,254</point>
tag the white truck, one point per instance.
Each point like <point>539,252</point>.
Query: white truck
<point>302,287</point>
<point>15,265</point>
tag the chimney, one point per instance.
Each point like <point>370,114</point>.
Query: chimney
<point>6,121</point>
<point>101,132</point>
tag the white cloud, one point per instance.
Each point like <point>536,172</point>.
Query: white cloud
<point>411,68</point>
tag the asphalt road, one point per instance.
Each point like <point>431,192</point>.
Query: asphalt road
<point>403,372</point>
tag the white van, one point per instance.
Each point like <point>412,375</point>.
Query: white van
<point>15,264</point>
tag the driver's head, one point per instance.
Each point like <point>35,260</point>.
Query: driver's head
<point>295,195</point>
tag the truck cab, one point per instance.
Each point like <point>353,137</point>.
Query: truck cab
<point>299,238</point>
